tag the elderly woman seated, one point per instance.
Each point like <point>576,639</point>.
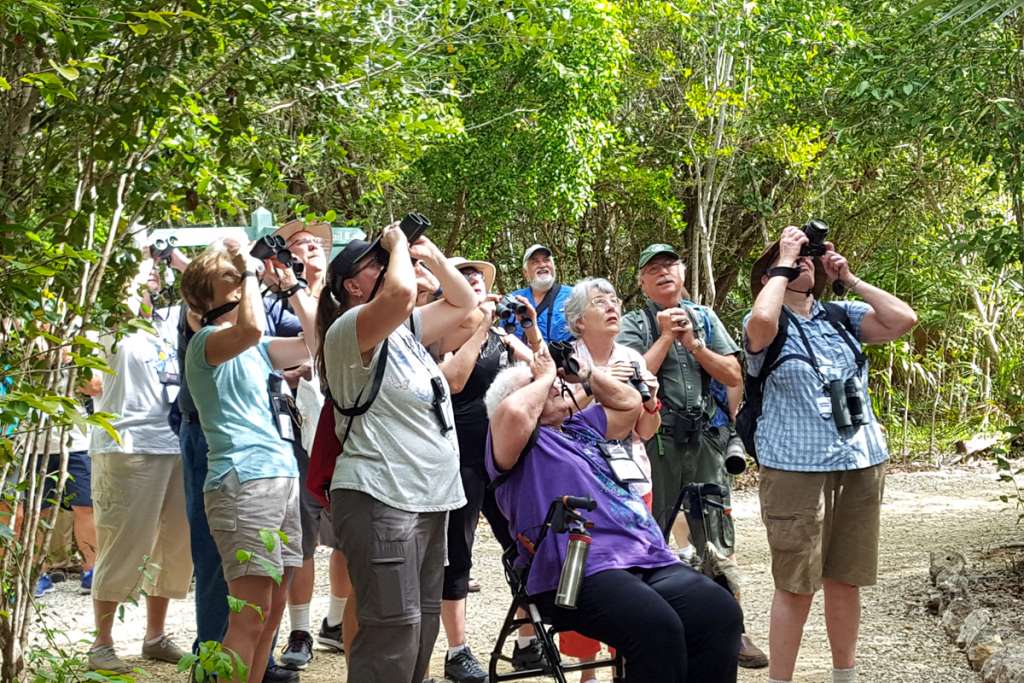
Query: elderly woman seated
<point>669,622</point>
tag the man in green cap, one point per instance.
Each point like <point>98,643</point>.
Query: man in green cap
<point>688,348</point>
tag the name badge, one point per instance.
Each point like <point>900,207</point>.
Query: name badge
<point>824,407</point>
<point>624,468</point>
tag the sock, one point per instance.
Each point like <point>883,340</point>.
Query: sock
<point>523,641</point>
<point>590,680</point>
<point>776,680</point>
<point>688,552</point>
<point>335,610</point>
<point>154,641</point>
<point>452,651</point>
<point>299,617</point>
<point>844,675</point>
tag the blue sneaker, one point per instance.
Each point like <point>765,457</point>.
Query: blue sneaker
<point>43,586</point>
<point>85,587</point>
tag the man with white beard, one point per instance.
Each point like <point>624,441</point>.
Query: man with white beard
<point>545,294</point>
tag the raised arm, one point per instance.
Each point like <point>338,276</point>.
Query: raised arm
<point>764,317</point>
<point>889,318</point>
<point>394,302</point>
<point>621,402</point>
<point>441,318</point>
<point>458,366</point>
<point>228,342</point>
<point>518,415</point>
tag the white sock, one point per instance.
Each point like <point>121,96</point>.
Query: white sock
<point>452,651</point>
<point>335,610</point>
<point>299,617</point>
<point>776,680</point>
<point>590,680</point>
<point>844,675</point>
<point>523,641</point>
<point>154,641</point>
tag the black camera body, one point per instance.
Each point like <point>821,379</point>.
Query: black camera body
<point>637,380</point>
<point>817,232</point>
<point>562,355</point>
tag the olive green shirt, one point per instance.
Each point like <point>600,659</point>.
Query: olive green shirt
<point>680,373</point>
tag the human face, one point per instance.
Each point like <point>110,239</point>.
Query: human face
<point>661,279</point>
<point>539,270</point>
<point>226,288</point>
<point>476,280</point>
<point>805,281</point>
<point>601,317</point>
<point>307,248</point>
<point>360,283</point>
<point>556,409</point>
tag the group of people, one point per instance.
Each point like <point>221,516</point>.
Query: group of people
<point>435,409</point>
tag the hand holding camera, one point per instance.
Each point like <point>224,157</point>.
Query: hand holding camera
<point>791,244</point>
<point>543,365</point>
<point>391,237</point>
<point>837,268</point>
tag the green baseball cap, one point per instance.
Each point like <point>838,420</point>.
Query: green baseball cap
<point>653,250</point>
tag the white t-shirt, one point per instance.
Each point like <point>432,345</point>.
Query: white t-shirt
<point>141,391</point>
<point>395,451</point>
<point>622,353</point>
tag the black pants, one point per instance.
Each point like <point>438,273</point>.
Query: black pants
<point>672,624</point>
<point>462,529</point>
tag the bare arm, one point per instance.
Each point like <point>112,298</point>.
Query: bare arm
<point>286,352</point>
<point>442,317</point>
<point>458,366</point>
<point>726,369</point>
<point>621,403</point>
<point>229,342</point>
<point>764,318</point>
<point>890,317</point>
<point>517,416</point>
<point>394,302</point>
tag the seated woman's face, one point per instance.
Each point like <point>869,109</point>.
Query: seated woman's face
<point>602,315</point>
<point>556,409</point>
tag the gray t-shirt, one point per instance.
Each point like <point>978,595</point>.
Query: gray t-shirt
<point>395,451</point>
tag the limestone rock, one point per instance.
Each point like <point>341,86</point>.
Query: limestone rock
<point>950,587</point>
<point>975,622</point>
<point>985,644</point>
<point>1005,666</point>
<point>953,617</point>
<point>947,561</point>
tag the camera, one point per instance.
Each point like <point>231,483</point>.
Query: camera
<point>637,380</point>
<point>510,308</point>
<point>562,355</point>
<point>161,249</point>
<point>816,231</point>
<point>849,407</point>
<point>735,455</point>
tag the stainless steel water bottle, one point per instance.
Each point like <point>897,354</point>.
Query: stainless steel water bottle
<point>572,569</point>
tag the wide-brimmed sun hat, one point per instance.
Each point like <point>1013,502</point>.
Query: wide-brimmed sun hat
<point>764,262</point>
<point>488,269</point>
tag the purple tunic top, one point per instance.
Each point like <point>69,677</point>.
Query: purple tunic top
<point>567,462</point>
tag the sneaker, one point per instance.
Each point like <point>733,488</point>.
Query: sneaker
<point>43,586</point>
<point>279,674</point>
<point>104,658</point>
<point>85,587</point>
<point>330,636</point>
<point>298,653</point>
<point>529,657</point>
<point>751,656</point>
<point>474,585</point>
<point>163,650</point>
<point>464,668</point>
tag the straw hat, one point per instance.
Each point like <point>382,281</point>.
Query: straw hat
<point>484,267</point>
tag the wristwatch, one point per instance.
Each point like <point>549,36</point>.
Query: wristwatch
<point>248,273</point>
<point>790,273</point>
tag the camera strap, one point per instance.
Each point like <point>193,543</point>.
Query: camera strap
<point>360,408</point>
<point>545,304</point>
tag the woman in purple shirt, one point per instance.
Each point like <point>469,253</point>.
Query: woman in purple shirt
<point>670,623</point>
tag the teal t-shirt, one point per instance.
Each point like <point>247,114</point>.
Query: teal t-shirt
<point>234,410</point>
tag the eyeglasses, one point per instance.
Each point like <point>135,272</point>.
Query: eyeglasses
<point>305,242</point>
<point>658,266</point>
<point>606,301</point>
<point>470,273</point>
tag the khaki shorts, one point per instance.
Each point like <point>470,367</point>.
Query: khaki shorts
<point>237,513</point>
<point>822,525</point>
<point>142,538</point>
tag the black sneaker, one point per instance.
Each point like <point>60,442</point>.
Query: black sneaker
<point>464,668</point>
<point>279,674</point>
<point>330,636</point>
<point>530,657</point>
<point>298,653</point>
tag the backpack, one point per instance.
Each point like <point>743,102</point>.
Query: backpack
<point>753,385</point>
<point>709,385</point>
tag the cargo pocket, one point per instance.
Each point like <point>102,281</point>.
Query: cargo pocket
<point>221,509</point>
<point>394,590</point>
<point>787,533</point>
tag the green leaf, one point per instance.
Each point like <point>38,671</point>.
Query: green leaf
<point>236,605</point>
<point>269,567</point>
<point>69,73</point>
<point>186,662</point>
<point>139,29</point>
<point>243,556</point>
<point>4,85</point>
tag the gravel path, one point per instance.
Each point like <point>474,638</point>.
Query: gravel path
<point>899,642</point>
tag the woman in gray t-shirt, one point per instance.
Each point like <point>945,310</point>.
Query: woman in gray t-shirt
<point>398,473</point>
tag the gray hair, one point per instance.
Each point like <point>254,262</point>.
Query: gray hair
<point>580,298</point>
<point>506,383</point>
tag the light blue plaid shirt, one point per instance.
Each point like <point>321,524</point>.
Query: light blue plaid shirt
<point>792,432</point>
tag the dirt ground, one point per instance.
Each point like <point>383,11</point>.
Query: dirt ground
<point>899,642</point>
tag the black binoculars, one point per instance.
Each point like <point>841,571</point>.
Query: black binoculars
<point>273,247</point>
<point>161,249</point>
<point>816,231</point>
<point>849,408</point>
<point>562,355</point>
<point>637,380</point>
<point>414,225</point>
<point>509,308</point>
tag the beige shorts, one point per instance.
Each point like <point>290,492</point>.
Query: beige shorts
<point>822,525</point>
<point>238,512</point>
<point>142,536</point>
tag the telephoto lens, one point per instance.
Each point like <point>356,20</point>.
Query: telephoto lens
<point>817,233</point>
<point>572,569</point>
<point>840,411</point>
<point>855,402</point>
<point>735,456</point>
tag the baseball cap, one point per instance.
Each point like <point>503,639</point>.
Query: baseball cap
<point>653,250</point>
<point>533,250</point>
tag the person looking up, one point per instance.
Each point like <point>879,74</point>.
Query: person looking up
<point>545,294</point>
